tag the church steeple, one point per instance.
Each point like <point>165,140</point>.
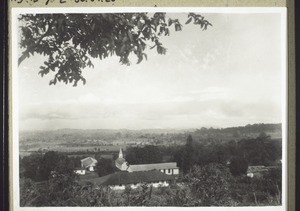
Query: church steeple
<point>120,153</point>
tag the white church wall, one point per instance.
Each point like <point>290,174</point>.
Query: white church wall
<point>124,166</point>
<point>175,171</point>
<point>168,171</point>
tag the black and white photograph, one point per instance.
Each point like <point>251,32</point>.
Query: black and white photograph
<point>149,107</point>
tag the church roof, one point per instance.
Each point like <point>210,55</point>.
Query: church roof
<point>89,161</point>
<point>120,161</point>
<point>125,178</point>
<point>148,167</point>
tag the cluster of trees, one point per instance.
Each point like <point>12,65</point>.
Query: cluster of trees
<point>142,155</point>
<point>257,151</point>
<point>105,167</point>
<point>261,150</point>
<point>41,167</point>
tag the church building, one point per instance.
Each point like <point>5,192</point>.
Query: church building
<point>121,162</point>
<point>167,168</point>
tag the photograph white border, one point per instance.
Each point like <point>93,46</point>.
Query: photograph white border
<point>230,10</point>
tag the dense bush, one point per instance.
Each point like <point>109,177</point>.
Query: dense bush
<point>210,184</point>
<point>238,166</point>
<point>39,167</point>
<point>142,155</point>
<point>256,191</point>
<point>105,167</point>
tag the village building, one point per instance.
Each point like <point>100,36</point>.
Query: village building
<point>155,174</point>
<point>167,168</point>
<point>89,163</point>
<point>79,171</point>
<point>121,163</point>
<point>119,180</point>
<point>259,171</point>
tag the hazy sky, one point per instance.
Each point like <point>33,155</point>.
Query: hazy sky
<point>229,75</point>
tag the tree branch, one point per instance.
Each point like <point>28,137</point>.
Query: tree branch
<point>32,47</point>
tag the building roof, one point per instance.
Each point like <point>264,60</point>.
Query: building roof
<point>124,178</point>
<point>120,161</point>
<point>79,168</point>
<point>89,161</point>
<point>253,169</point>
<point>148,167</point>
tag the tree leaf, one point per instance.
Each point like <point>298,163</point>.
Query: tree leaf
<point>189,20</point>
<point>130,36</point>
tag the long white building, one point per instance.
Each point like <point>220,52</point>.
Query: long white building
<point>167,168</point>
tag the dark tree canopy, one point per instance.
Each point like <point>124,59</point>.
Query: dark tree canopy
<point>187,155</point>
<point>104,167</point>
<point>238,166</point>
<point>210,184</point>
<point>70,41</point>
<point>39,167</point>
<point>142,155</point>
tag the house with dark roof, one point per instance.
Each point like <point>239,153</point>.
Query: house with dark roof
<point>89,163</point>
<point>119,180</point>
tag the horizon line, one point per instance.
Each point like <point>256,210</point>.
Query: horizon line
<point>179,129</point>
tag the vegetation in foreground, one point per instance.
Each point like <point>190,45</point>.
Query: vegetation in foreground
<point>210,185</point>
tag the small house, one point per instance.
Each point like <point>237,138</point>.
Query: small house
<point>79,171</point>
<point>89,163</point>
<point>256,171</point>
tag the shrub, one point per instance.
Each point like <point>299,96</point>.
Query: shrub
<point>210,184</point>
<point>238,166</point>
